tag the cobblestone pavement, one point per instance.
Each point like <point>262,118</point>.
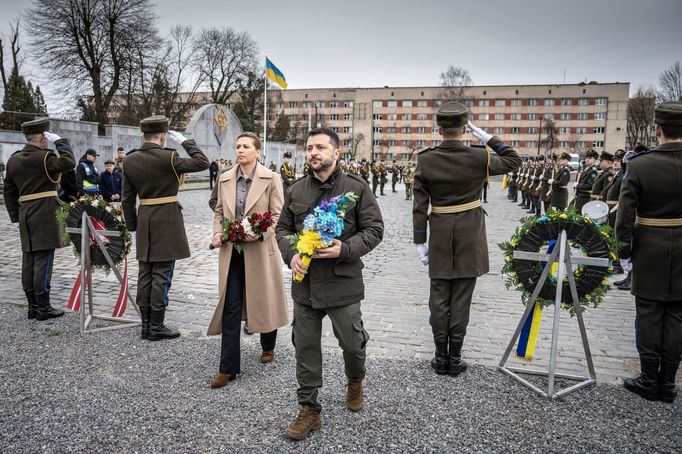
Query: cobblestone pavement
<point>396,305</point>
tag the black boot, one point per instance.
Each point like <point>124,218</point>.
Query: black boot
<point>439,363</point>
<point>44,310</point>
<point>625,284</point>
<point>157,330</point>
<point>145,317</point>
<point>31,299</point>
<point>646,385</point>
<point>666,381</point>
<point>617,268</point>
<point>456,365</point>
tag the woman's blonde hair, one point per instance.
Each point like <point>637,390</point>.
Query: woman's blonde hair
<point>252,136</point>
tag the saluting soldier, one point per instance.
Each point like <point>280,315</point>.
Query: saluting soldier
<point>545,187</point>
<point>605,177</point>
<point>30,191</point>
<point>560,182</point>
<point>154,174</point>
<point>409,180</point>
<point>649,222</point>
<point>449,177</point>
<point>536,185</point>
<point>287,172</point>
<point>586,178</point>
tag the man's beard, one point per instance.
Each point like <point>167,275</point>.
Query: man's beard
<point>324,165</point>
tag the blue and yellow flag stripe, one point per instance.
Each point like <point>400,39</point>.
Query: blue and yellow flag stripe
<point>529,334</point>
<point>274,74</point>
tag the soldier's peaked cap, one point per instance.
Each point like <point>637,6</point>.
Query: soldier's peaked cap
<point>287,154</point>
<point>668,113</point>
<point>565,156</point>
<point>157,123</point>
<point>606,156</point>
<point>591,154</point>
<point>37,126</point>
<point>619,155</point>
<point>452,115</point>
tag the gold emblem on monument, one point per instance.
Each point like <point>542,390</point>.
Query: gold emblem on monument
<point>221,119</point>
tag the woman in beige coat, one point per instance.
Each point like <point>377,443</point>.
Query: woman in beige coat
<point>250,283</point>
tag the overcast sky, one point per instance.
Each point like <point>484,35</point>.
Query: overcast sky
<point>360,43</point>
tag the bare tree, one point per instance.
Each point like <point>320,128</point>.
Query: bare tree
<point>14,49</point>
<point>551,138</point>
<point>640,116</point>
<point>224,59</point>
<point>670,83</point>
<point>89,43</point>
<point>356,141</point>
<point>454,82</point>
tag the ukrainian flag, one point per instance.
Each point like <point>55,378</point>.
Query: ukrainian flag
<point>274,74</point>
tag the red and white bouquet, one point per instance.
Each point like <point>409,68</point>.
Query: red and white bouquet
<point>237,230</point>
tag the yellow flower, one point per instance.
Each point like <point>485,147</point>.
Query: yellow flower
<point>507,259</point>
<point>514,242</point>
<point>613,256</point>
<point>563,216</point>
<point>309,242</point>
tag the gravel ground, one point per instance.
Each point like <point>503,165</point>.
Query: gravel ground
<point>111,392</point>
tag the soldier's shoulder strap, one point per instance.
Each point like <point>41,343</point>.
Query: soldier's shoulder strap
<point>639,150</point>
<point>132,151</point>
<point>426,150</point>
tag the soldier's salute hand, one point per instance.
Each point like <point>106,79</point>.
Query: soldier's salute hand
<point>176,137</point>
<point>51,137</point>
<point>479,133</point>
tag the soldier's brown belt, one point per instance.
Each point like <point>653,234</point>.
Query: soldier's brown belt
<point>659,222</point>
<point>612,202</point>
<point>159,200</point>
<point>456,208</point>
<point>37,195</point>
<point>594,196</point>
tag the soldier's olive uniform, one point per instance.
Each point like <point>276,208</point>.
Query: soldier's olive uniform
<point>153,173</point>
<point>364,171</point>
<point>547,175</point>
<point>603,180</point>
<point>332,287</point>
<point>649,221</point>
<point>395,176</point>
<point>288,175</point>
<point>30,191</point>
<point>585,181</point>
<point>613,190</point>
<point>560,186</point>
<point>449,177</point>
<point>409,181</point>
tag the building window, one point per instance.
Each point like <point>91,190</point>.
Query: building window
<point>516,103</point>
<point>319,104</point>
<point>435,130</point>
<point>499,116</point>
<point>582,116</point>
<point>405,130</point>
<point>376,142</point>
<point>598,144</point>
<point>515,116</point>
<point>515,130</point>
<point>598,130</point>
<point>421,130</point>
<point>292,104</point>
<point>499,103</point>
<point>564,130</point>
<point>334,117</point>
<point>484,103</point>
<point>514,143</point>
<point>407,116</point>
<point>483,116</point>
<point>391,142</point>
<point>566,102</point>
<point>334,104</point>
<point>422,103</point>
<point>376,116</point>
<point>420,143</point>
<point>421,116</point>
<point>306,104</point>
<point>347,130</point>
<point>583,102</point>
<point>407,143</point>
<point>600,116</point>
<point>469,102</point>
<point>347,116</point>
<point>376,129</point>
<point>581,144</point>
<point>279,104</point>
<point>335,129</point>
<point>532,130</point>
<point>498,130</point>
<point>320,118</point>
<point>377,104</point>
<point>601,101</point>
<point>532,102</point>
<point>565,116</point>
<point>348,104</point>
<point>392,116</point>
<point>407,103</point>
<point>564,144</point>
<point>548,116</point>
<point>531,144</point>
<point>532,116</point>
<point>393,103</point>
<point>581,130</point>
<point>391,130</point>
<point>549,102</point>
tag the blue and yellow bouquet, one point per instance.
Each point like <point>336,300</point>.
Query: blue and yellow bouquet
<point>321,227</point>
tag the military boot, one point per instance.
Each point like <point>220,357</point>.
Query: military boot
<point>439,363</point>
<point>617,268</point>
<point>666,381</point>
<point>646,385</point>
<point>44,310</point>
<point>157,330</point>
<point>354,396</point>
<point>32,306</point>
<point>307,421</point>
<point>456,365</point>
<point>145,318</point>
<point>626,283</point>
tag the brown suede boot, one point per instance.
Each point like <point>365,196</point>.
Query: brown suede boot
<point>221,380</point>
<point>267,356</point>
<point>354,396</point>
<point>306,422</point>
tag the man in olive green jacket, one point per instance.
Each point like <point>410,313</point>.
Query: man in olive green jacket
<point>450,177</point>
<point>33,175</point>
<point>332,283</point>
<point>154,174</point>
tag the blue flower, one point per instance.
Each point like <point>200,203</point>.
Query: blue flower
<point>309,222</point>
<point>544,219</point>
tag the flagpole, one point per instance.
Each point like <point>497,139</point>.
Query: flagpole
<point>265,111</point>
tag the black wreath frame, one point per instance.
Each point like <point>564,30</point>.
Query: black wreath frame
<point>113,245</point>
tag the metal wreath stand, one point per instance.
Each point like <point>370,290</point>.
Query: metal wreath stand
<point>87,229</point>
<point>565,269</point>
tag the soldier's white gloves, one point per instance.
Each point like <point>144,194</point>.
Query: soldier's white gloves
<point>479,133</point>
<point>575,184</point>
<point>51,137</point>
<point>626,264</point>
<point>176,137</point>
<point>550,181</point>
<point>423,251</point>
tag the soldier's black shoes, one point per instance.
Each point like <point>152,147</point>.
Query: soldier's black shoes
<point>646,385</point>
<point>158,331</point>
<point>666,381</point>
<point>456,365</point>
<point>145,318</point>
<point>31,299</point>
<point>617,269</point>
<point>44,311</point>
<point>625,284</point>
<point>531,211</point>
<point>439,363</point>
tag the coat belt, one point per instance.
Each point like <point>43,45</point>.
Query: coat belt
<point>659,222</point>
<point>37,195</point>
<point>612,202</point>
<point>159,200</point>
<point>449,209</point>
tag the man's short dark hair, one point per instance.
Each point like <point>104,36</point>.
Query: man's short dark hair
<point>449,132</point>
<point>120,149</point>
<point>148,136</point>
<point>109,162</point>
<point>333,137</point>
<point>672,131</point>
